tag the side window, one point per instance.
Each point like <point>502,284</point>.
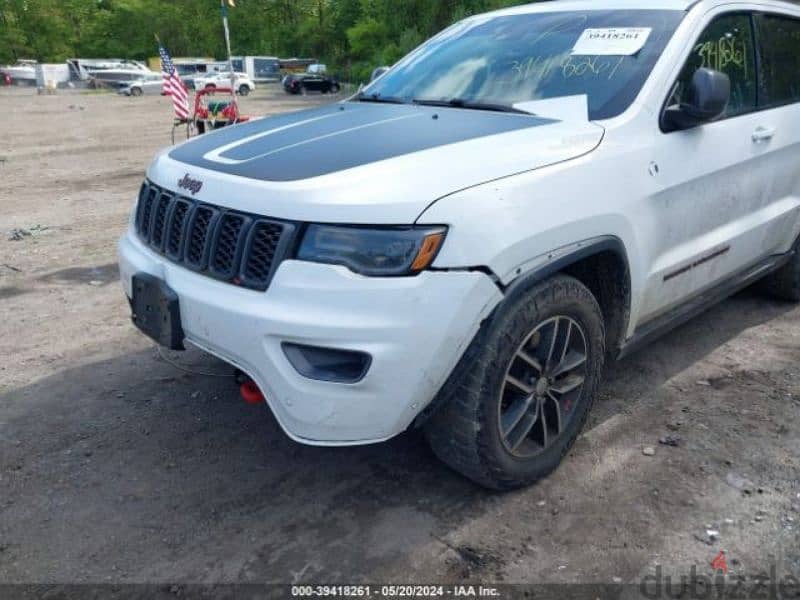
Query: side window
<point>779,49</point>
<point>726,45</point>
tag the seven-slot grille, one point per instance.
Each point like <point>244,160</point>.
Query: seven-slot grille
<point>239,248</point>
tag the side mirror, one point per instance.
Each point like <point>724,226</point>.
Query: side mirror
<point>704,101</point>
<point>378,72</point>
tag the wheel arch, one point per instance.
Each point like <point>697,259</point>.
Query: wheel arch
<point>602,265</point>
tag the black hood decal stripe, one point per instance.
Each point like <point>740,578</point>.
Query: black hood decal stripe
<point>281,135</point>
<point>338,137</point>
<point>244,153</point>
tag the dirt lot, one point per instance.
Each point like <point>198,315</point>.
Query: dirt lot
<point>117,466</point>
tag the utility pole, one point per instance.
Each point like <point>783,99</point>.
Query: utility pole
<point>224,10</point>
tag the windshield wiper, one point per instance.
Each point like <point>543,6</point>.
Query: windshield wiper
<point>362,97</point>
<point>461,103</point>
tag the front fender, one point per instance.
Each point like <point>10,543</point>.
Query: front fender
<point>537,224</point>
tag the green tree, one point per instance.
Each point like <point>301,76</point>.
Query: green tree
<point>352,36</point>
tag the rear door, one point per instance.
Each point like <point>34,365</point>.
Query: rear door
<point>778,42</point>
<point>718,210</point>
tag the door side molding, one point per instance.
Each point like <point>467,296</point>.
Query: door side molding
<point>701,302</point>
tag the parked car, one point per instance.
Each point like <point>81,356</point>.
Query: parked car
<point>149,85</point>
<point>310,82</point>
<point>242,83</point>
<point>188,73</point>
<point>463,245</point>
<point>191,68</point>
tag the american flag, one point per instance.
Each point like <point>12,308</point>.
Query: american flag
<point>173,86</point>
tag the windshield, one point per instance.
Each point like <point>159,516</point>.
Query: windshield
<point>514,59</point>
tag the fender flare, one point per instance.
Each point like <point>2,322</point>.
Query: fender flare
<point>557,260</point>
<point>614,296</point>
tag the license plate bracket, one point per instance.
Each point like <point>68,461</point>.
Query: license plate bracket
<point>156,311</point>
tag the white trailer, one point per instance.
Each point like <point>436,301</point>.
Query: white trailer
<point>261,69</point>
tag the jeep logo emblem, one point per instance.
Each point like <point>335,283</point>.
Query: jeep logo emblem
<point>193,185</point>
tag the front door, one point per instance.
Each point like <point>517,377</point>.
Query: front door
<point>715,211</point>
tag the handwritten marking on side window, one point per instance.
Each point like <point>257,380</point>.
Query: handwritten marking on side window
<point>724,54</point>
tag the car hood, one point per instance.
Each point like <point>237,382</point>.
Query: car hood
<point>363,162</point>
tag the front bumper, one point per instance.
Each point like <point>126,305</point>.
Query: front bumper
<point>415,329</point>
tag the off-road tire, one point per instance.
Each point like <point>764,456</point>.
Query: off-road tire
<point>784,284</point>
<point>464,431</point>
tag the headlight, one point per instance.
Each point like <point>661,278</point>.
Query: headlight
<point>389,251</point>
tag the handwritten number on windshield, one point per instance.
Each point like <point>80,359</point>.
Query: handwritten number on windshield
<point>591,66</point>
<point>569,67</point>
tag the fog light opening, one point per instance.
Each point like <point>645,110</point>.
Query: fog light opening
<point>328,364</point>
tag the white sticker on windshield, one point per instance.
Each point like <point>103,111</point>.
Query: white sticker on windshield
<point>612,41</point>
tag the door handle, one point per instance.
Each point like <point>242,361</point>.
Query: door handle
<point>763,134</point>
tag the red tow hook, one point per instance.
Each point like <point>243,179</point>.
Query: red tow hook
<point>250,393</point>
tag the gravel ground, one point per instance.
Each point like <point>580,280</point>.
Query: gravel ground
<point>116,466</point>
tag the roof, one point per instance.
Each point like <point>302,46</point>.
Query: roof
<point>567,5</point>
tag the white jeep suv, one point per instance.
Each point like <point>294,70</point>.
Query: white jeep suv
<point>242,84</point>
<point>461,245</point>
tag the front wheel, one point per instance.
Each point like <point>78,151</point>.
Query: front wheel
<point>136,92</point>
<point>522,392</point>
<point>244,90</point>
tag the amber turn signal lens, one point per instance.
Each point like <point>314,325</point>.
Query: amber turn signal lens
<point>427,252</point>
